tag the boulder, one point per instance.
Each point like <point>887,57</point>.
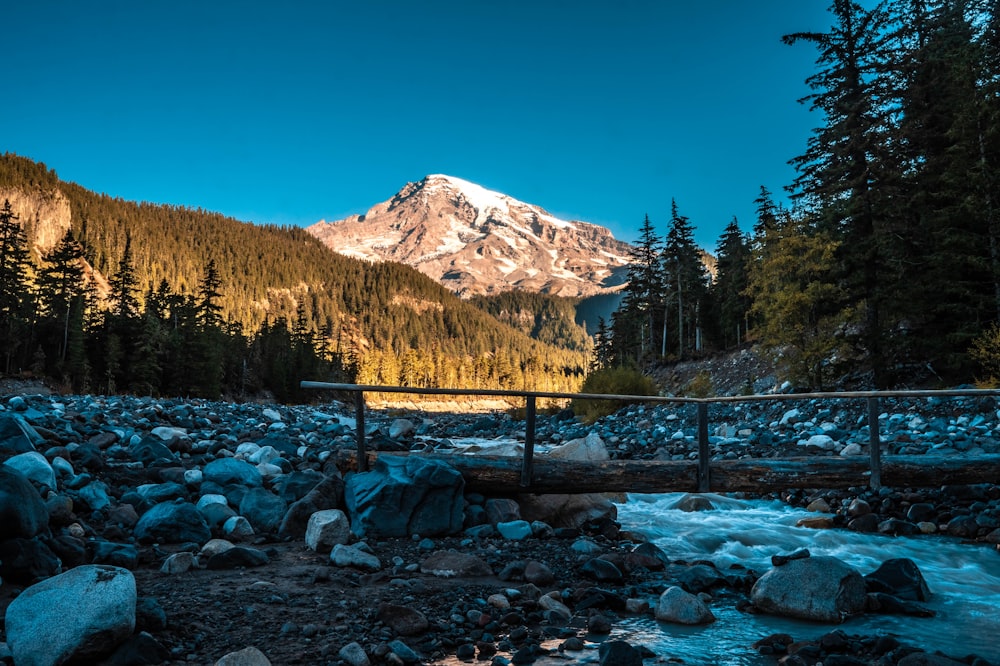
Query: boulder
<point>250,656</point>
<point>403,620</point>
<point>326,529</point>
<point>77,616</point>
<point>293,487</point>
<point>351,556</point>
<point>619,653</point>
<point>571,510</point>
<point>452,564</point>
<point>401,429</point>
<point>591,447</point>
<point>151,450</point>
<point>237,556</point>
<point>17,435</point>
<point>226,471</point>
<point>263,509</point>
<point>35,467</point>
<point>327,494</point>
<point>22,511</point>
<point>27,560</point>
<point>901,578</point>
<point>405,495</point>
<point>822,588</point>
<point>680,607</point>
<point>501,510</point>
<point>172,522</point>
<point>515,530</point>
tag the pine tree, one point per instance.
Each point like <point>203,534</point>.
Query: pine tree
<point>796,305</point>
<point>728,291</point>
<point>686,284</point>
<point>635,322</point>
<point>61,288</point>
<point>125,286</point>
<point>15,304</point>
<point>846,173</point>
<point>603,351</point>
<point>947,285</point>
<point>209,310</point>
<point>123,349</point>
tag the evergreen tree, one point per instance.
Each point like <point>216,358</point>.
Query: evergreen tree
<point>846,173</point>
<point>603,350</point>
<point>943,246</point>
<point>125,286</point>
<point>635,323</point>
<point>686,285</point>
<point>729,289</point>
<point>796,304</point>
<point>15,304</point>
<point>123,349</point>
<point>61,288</point>
<point>209,309</point>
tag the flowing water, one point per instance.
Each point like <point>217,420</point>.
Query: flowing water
<point>964,580</point>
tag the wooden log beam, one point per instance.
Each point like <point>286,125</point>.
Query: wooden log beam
<point>498,475</point>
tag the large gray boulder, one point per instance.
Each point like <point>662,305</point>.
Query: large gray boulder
<point>77,616</point>
<point>405,495</point>
<point>172,522</point>
<point>567,510</point>
<point>17,435</point>
<point>901,578</point>
<point>681,607</point>
<point>326,529</point>
<point>226,471</point>
<point>22,511</point>
<point>263,509</point>
<point>822,588</point>
<point>572,510</point>
<point>34,466</point>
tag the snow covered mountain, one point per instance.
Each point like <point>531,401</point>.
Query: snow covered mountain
<point>476,241</point>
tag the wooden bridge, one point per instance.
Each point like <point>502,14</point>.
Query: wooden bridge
<point>505,474</point>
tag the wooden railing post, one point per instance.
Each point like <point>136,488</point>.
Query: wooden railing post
<point>529,440</point>
<point>704,476</point>
<point>874,444</point>
<point>359,416</point>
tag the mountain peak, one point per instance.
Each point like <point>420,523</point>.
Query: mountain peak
<point>478,241</point>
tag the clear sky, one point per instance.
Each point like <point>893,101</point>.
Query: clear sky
<point>291,112</point>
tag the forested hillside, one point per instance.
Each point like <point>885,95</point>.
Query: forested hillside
<point>549,319</point>
<point>376,322</point>
<point>886,271</point>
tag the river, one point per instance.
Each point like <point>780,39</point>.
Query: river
<point>964,580</point>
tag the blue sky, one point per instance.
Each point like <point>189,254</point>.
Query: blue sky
<point>299,111</point>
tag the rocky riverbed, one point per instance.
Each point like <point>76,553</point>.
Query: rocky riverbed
<point>144,531</point>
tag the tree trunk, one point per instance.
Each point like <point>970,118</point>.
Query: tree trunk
<point>494,475</point>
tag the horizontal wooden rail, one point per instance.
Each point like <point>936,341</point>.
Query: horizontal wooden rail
<point>748,475</point>
<point>780,397</point>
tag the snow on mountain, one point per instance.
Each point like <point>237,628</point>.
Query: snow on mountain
<point>477,241</point>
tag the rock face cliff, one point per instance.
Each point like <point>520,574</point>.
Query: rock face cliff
<point>44,214</point>
<point>476,241</point>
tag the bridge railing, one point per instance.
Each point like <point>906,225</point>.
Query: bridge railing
<point>872,398</point>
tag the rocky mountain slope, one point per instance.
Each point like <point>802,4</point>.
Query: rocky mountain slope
<point>476,241</point>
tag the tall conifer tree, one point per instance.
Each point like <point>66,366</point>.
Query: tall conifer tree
<point>686,284</point>
<point>845,173</point>
<point>729,288</point>
<point>15,304</point>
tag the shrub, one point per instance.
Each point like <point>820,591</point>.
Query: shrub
<point>617,381</point>
<point>700,386</point>
<point>985,350</point>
